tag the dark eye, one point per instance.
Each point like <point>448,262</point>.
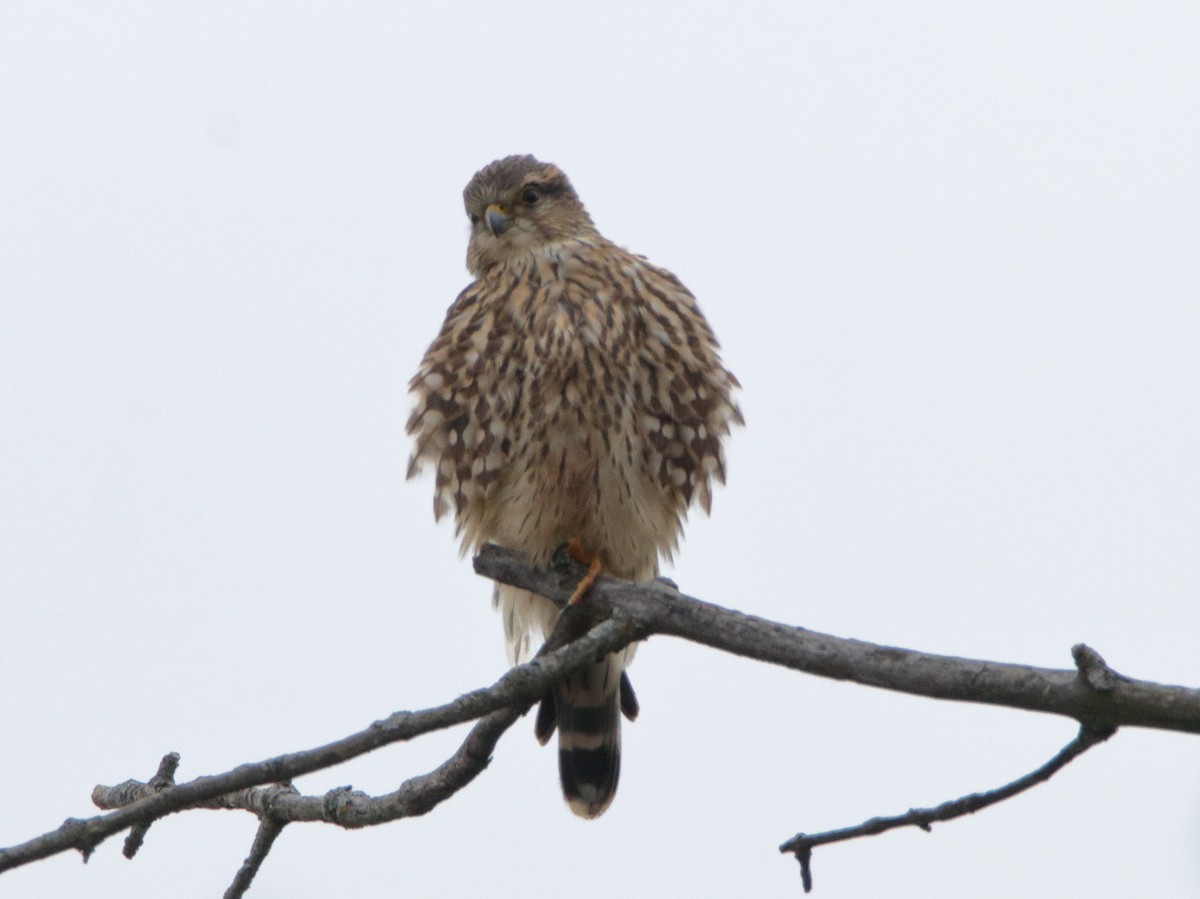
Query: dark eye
<point>531,195</point>
<point>474,218</point>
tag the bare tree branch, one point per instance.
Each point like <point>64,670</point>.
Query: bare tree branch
<point>802,845</point>
<point>264,838</point>
<point>658,608</point>
<point>499,705</point>
<point>1093,694</point>
<point>163,778</point>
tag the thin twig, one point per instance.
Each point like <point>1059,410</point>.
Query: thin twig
<point>802,845</point>
<point>163,778</point>
<point>516,690</point>
<point>264,838</point>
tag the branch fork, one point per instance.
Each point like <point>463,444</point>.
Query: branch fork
<point>612,615</point>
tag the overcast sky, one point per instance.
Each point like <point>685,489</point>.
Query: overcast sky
<point>952,252</point>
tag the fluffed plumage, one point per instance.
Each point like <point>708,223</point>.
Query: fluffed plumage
<point>575,391</point>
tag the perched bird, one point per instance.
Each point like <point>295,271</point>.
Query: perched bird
<point>575,394</point>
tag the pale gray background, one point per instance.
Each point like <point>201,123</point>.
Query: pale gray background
<point>951,251</point>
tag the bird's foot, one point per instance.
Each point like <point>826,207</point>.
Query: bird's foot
<point>580,555</point>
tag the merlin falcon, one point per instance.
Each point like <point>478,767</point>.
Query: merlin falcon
<point>575,395</point>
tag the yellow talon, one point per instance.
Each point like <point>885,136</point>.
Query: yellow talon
<point>575,548</point>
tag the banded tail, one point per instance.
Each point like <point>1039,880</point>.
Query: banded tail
<point>587,708</point>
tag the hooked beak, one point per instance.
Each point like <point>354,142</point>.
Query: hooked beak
<point>497,221</point>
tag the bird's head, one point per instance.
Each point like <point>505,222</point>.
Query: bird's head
<point>517,206</point>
